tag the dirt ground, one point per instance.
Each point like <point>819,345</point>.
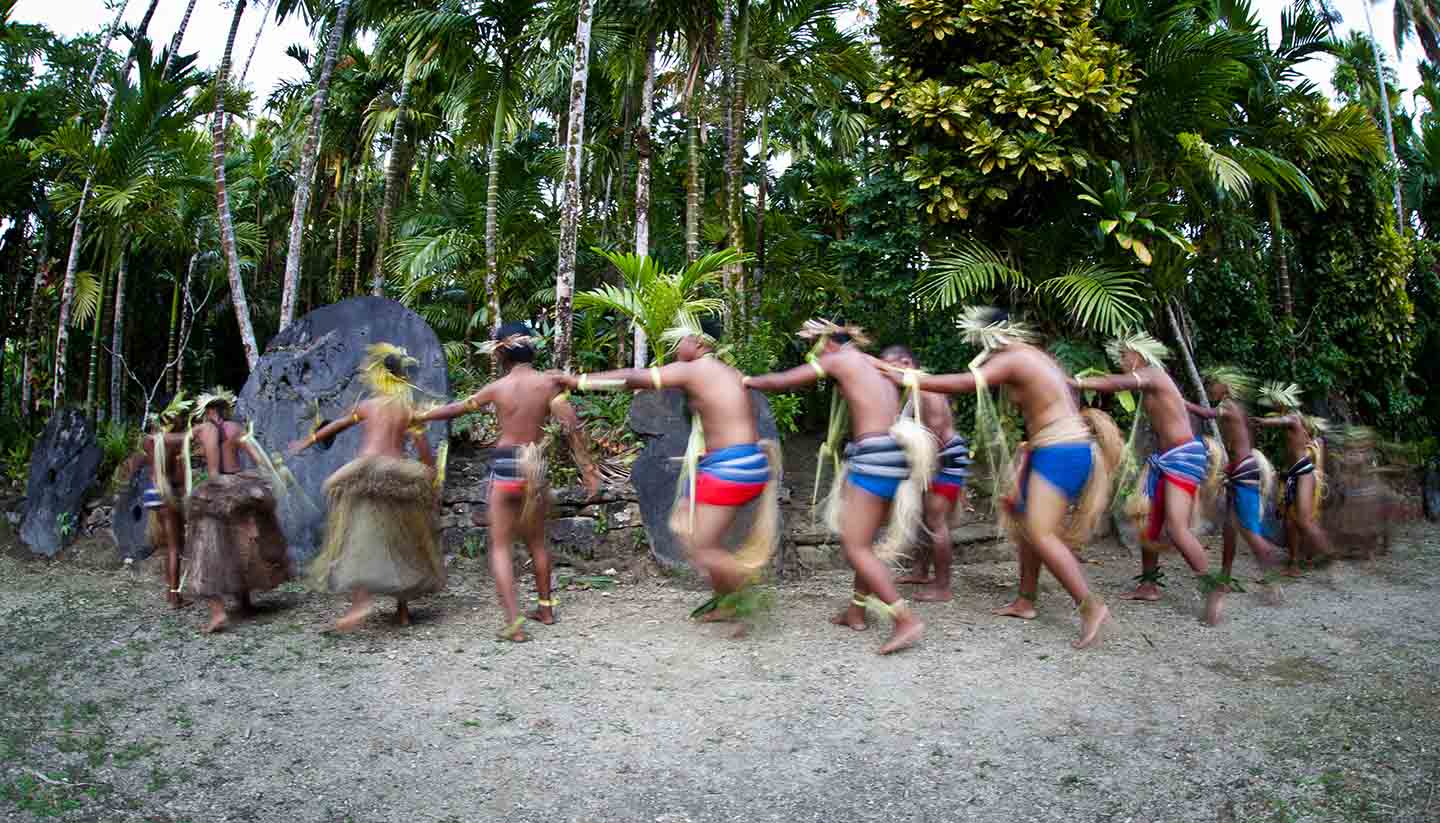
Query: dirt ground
<point>1324,709</point>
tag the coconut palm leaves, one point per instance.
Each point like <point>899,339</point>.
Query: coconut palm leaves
<point>1096,296</point>
<point>655,299</point>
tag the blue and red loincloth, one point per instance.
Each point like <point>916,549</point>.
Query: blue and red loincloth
<point>1185,467</point>
<point>1243,478</point>
<point>1066,466</point>
<point>877,464</point>
<point>506,470</point>
<point>954,468</point>
<point>732,476</point>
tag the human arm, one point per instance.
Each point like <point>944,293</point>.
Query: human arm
<point>1110,383</point>
<point>655,377</point>
<point>1202,411</point>
<point>806,375</point>
<point>422,446</point>
<point>449,411</point>
<point>563,412</point>
<point>328,431</point>
<point>1278,422</point>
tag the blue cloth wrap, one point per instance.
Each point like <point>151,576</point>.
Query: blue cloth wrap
<point>744,463</point>
<point>1187,461</point>
<point>1244,481</point>
<point>954,462</point>
<point>1066,466</point>
<point>878,465</point>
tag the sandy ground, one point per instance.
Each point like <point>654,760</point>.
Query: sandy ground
<point>1324,709</point>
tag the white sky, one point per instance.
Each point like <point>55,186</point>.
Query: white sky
<point>211,21</point>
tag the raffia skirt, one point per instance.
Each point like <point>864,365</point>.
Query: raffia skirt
<point>381,530</point>
<point>232,540</point>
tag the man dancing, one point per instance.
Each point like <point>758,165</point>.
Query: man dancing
<point>1166,498</point>
<point>234,541</point>
<point>165,524</point>
<point>1063,465</point>
<point>1304,480</point>
<point>1248,477</point>
<point>524,400</point>
<point>947,487</point>
<point>888,460</point>
<point>736,467</point>
<point>380,538</point>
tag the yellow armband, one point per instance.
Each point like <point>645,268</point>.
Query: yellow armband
<point>655,378</point>
<point>815,364</point>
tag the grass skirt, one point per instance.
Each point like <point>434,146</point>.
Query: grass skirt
<point>381,531</point>
<point>232,540</point>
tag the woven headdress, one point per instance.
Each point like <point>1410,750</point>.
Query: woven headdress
<point>513,341</point>
<point>992,329</point>
<point>1152,351</point>
<point>1280,396</point>
<point>687,325</point>
<point>1241,385</point>
<point>216,396</point>
<point>821,330</point>
<point>384,370</point>
<point>179,407</point>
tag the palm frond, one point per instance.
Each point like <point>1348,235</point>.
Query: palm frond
<point>969,269</point>
<point>86,299</point>
<point>1098,298</point>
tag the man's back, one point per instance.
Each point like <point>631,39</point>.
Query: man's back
<point>716,392</point>
<point>385,424</point>
<point>522,403</point>
<point>1165,408</point>
<point>1036,384</point>
<point>874,401</point>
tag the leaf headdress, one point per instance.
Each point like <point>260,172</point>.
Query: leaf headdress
<point>1152,351</point>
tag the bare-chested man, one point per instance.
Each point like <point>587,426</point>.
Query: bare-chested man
<point>1176,471</point>
<point>877,463</point>
<point>1061,466</point>
<point>524,400</point>
<point>380,538</point>
<point>233,541</point>
<point>1248,476</point>
<point>1303,486</point>
<point>737,467</point>
<point>947,487</point>
<point>161,449</point>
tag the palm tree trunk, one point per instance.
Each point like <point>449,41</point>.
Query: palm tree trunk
<point>117,341</point>
<point>77,236</point>
<point>105,40</point>
<point>177,39</point>
<point>361,174</point>
<point>1187,354</point>
<point>173,336</point>
<point>187,317</point>
<point>758,273</point>
<point>492,217</point>
<point>309,156</point>
<point>692,185</point>
<point>1282,265</point>
<point>96,329</point>
<point>392,183</point>
<point>347,192</point>
<point>222,198</point>
<point>571,202</point>
<point>32,330</point>
<point>1384,103</point>
<point>642,180</point>
<point>264,18</point>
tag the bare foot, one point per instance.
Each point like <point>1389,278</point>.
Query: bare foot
<point>906,634</point>
<point>514,633</point>
<point>352,619</point>
<point>1147,592</point>
<point>915,578</point>
<point>1292,571</point>
<point>217,622</point>
<point>1090,622</point>
<point>402,613</point>
<point>852,616</point>
<point>741,632</point>
<point>933,594</point>
<point>176,601</point>
<point>1213,603</point>
<point>1272,594</point>
<point>544,614</point>
<point>1021,608</point>
<point>718,616</point>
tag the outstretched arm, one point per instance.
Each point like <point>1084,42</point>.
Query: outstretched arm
<point>655,377</point>
<point>807,375</point>
<point>1277,422</point>
<point>1201,411</point>
<point>473,403</point>
<point>328,431</point>
<point>1111,383</point>
<point>422,446</point>
<point>561,409</point>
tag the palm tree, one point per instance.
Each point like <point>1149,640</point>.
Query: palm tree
<point>309,156</point>
<point>77,237</point>
<point>222,198</point>
<point>571,204</point>
<point>1420,18</point>
<point>1385,112</point>
<point>642,177</point>
<point>656,300</point>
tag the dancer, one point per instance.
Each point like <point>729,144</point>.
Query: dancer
<point>1304,481</point>
<point>233,540</point>
<point>727,466</point>
<point>1065,462</point>
<point>888,461</point>
<point>947,487</point>
<point>1165,496</point>
<point>1248,477</point>
<point>165,524</point>
<point>380,537</point>
<point>524,400</point>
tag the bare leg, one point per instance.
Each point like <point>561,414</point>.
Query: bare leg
<point>245,605</point>
<point>402,612</point>
<point>1269,557</point>
<point>1312,533</point>
<point>937,521</point>
<point>504,511</point>
<point>1044,510</point>
<point>1023,606</point>
<point>864,512</point>
<point>217,615</point>
<point>1149,566</point>
<point>174,537</point>
<point>1292,542</point>
<point>853,615</point>
<point>361,604</point>
<point>1178,509</point>
<point>1227,554</point>
<point>540,554</point>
